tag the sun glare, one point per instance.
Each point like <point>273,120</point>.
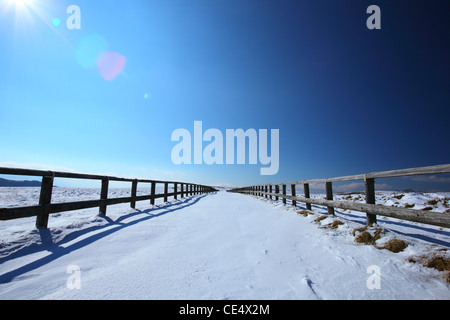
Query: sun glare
<point>20,6</point>
<point>20,3</point>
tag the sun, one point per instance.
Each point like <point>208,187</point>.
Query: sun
<point>20,3</point>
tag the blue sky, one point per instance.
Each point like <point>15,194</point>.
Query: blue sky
<point>347,100</point>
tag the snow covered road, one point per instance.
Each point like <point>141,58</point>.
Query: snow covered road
<point>217,246</point>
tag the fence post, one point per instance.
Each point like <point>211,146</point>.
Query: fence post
<point>152,193</point>
<point>166,190</point>
<point>370,199</point>
<point>277,190</point>
<point>329,189</point>
<point>307,195</point>
<point>104,195</point>
<point>284,193</point>
<point>294,203</point>
<point>133,193</point>
<point>44,199</point>
<point>265,190</point>
<point>270,191</point>
<point>175,187</point>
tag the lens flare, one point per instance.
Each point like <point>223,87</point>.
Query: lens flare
<point>89,50</point>
<point>110,64</point>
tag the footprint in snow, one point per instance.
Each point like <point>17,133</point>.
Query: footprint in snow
<point>306,281</point>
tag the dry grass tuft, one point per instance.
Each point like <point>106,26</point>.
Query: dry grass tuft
<point>395,245</point>
<point>320,218</point>
<point>366,237</point>
<point>432,202</point>
<point>335,224</point>
<point>304,213</point>
<point>438,262</point>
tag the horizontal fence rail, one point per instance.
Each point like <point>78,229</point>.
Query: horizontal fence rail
<point>370,208</point>
<point>42,210</point>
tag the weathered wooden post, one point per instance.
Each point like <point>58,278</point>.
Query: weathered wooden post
<point>152,193</point>
<point>277,190</point>
<point>370,199</point>
<point>45,199</point>
<point>307,195</point>
<point>270,191</point>
<point>284,193</point>
<point>104,195</point>
<point>166,190</point>
<point>175,187</point>
<point>294,203</point>
<point>133,193</point>
<point>265,190</point>
<point>329,190</point>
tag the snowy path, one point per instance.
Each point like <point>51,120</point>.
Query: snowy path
<point>219,246</point>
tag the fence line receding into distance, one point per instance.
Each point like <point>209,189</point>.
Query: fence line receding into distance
<point>45,207</point>
<point>370,208</point>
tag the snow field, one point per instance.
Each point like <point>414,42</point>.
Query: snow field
<point>217,246</point>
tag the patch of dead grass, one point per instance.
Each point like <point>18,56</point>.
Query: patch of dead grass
<point>304,213</point>
<point>335,224</point>
<point>365,236</point>
<point>395,245</point>
<point>437,262</point>
<point>320,218</point>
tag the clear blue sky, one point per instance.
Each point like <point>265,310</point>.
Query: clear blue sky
<point>346,99</point>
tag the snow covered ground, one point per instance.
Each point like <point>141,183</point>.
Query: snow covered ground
<point>217,246</point>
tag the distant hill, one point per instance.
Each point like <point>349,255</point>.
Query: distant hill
<point>19,183</point>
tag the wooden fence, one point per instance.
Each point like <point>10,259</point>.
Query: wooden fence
<point>45,207</point>
<point>370,208</point>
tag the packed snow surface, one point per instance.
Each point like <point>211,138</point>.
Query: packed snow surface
<point>215,246</point>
